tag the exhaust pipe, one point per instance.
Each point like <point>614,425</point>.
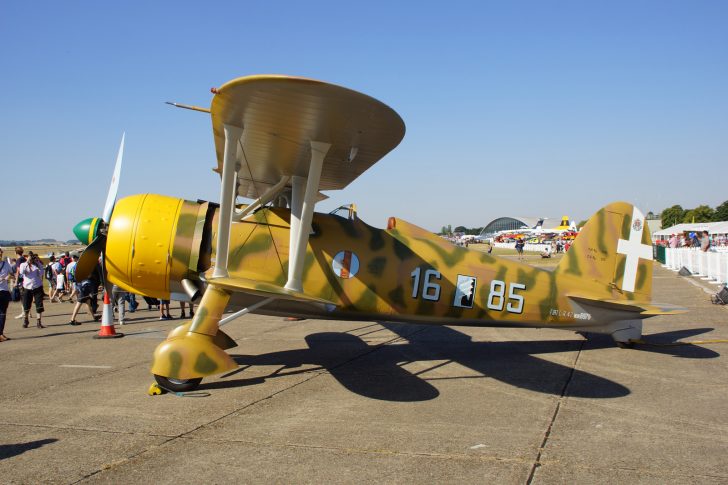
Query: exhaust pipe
<point>192,290</point>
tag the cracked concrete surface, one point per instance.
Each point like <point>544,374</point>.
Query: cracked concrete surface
<point>354,402</point>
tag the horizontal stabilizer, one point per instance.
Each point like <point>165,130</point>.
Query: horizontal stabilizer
<point>644,308</point>
<point>265,290</point>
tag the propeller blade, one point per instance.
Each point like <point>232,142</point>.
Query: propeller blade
<point>105,276</point>
<point>90,258</point>
<point>114,187</point>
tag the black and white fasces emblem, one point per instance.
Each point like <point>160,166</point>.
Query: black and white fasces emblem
<point>464,292</point>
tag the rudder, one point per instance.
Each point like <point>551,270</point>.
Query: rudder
<point>613,248</point>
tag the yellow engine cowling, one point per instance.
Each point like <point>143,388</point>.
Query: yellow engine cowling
<point>154,242</point>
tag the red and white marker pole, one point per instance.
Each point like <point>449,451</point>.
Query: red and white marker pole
<point>107,320</point>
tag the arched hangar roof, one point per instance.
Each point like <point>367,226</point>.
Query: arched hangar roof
<point>509,224</point>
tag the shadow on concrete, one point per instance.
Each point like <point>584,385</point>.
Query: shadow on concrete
<point>378,371</point>
<point>670,343</point>
<point>9,451</point>
<point>57,334</point>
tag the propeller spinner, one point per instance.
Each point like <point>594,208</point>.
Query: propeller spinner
<point>92,231</point>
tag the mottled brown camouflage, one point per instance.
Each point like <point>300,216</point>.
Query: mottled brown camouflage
<point>173,239</point>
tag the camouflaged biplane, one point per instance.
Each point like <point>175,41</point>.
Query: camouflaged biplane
<point>281,141</point>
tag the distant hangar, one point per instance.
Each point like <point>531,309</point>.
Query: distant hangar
<point>517,223</point>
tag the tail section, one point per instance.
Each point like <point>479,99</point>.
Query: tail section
<point>613,248</point>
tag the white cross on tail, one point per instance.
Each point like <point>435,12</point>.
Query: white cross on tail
<point>634,250</point>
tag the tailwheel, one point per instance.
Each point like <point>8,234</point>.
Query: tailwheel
<point>177,385</point>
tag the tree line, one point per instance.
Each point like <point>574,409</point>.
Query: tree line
<point>448,230</point>
<point>669,217</point>
<point>703,213</point>
<point>34,242</point>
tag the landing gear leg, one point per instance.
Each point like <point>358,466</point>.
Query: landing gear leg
<point>186,357</point>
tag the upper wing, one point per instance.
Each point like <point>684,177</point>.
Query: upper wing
<point>281,114</point>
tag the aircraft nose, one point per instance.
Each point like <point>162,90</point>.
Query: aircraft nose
<point>150,244</point>
<point>119,244</point>
<point>87,230</point>
<point>140,235</point>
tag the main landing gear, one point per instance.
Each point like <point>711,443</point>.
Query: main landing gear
<point>177,385</point>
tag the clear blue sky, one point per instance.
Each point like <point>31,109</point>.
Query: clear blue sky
<point>512,108</point>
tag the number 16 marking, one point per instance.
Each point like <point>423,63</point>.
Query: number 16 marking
<point>430,289</point>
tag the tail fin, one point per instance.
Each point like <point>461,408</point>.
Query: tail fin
<point>613,248</point>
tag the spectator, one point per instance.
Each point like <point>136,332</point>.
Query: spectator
<point>19,259</point>
<point>119,299</point>
<point>86,291</point>
<point>151,302</point>
<point>519,248</point>
<point>48,272</point>
<point>164,305</point>
<point>71,277</point>
<point>96,280</point>
<point>5,275</point>
<point>182,307</point>
<point>32,272</point>
<point>694,241</point>
<point>133,305</point>
<point>60,278</point>
<point>705,242</point>
<point>13,270</point>
<point>673,241</point>
<point>65,260</point>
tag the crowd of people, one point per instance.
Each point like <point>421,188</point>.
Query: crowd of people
<point>21,279</point>
<point>703,241</point>
<point>553,246</point>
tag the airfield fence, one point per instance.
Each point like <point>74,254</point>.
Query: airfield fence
<point>711,266</point>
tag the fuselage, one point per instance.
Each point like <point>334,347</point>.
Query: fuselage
<point>402,273</point>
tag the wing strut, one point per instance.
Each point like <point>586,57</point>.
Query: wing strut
<point>228,195</point>
<point>245,311</point>
<point>269,195</point>
<point>302,205</point>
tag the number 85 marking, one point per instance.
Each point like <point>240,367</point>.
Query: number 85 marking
<point>496,297</point>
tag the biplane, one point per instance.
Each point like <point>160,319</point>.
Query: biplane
<point>282,141</point>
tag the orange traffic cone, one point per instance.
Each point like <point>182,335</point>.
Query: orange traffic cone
<point>107,320</point>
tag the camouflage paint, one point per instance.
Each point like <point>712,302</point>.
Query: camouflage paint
<point>384,286</point>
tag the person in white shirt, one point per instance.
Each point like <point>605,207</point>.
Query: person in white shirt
<point>5,274</point>
<point>60,283</point>
<point>546,253</point>
<point>32,272</point>
<point>59,273</point>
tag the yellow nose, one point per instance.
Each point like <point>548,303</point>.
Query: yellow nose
<point>140,243</point>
